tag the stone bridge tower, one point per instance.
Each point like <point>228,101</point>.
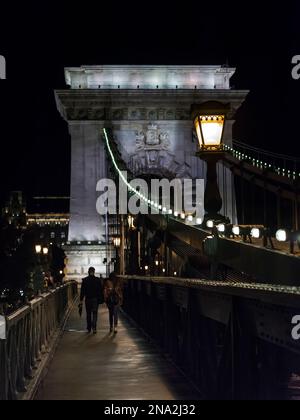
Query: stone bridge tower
<point>148,108</point>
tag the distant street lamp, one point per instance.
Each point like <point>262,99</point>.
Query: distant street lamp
<point>236,230</point>
<point>209,121</point>
<point>117,245</point>
<point>131,222</point>
<point>117,242</point>
<point>221,228</point>
<point>256,233</point>
<point>38,249</point>
<point>45,251</point>
<point>210,224</point>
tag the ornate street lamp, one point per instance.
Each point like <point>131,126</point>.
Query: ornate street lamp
<point>210,130</point>
<point>209,121</point>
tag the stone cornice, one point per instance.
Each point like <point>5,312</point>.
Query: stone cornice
<point>149,76</point>
<point>135,105</point>
<point>161,95</point>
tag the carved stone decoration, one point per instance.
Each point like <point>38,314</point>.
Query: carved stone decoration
<point>153,139</point>
<point>96,112</point>
<point>100,94</point>
<point>152,155</point>
<point>152,115</point>
<point>170,115</point>
<point>118,114</point>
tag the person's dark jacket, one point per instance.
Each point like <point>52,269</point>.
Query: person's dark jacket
<point>92,288</point>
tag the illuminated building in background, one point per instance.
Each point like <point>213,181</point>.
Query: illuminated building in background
<point>46,217</point>
<point>14,211</point>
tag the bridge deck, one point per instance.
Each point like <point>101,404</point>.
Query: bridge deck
<point>107,367</point>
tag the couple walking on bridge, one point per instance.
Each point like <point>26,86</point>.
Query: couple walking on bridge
<point>96,291</point>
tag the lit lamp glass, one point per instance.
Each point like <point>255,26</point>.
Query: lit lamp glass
<point>256,233</point>
<point>209,129</point>
<point>130,222</point>
<point>38,249</point>
<point>45,251</point>
<point>117,242</point>
<point>236,230</point>
<point>157,263</point>
<point>281,235</point>
<point>221,228</point>
<point>210,224</point>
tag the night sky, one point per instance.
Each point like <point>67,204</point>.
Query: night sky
<point>41,38</point>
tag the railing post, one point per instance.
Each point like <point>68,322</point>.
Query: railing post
<point>3,360</point>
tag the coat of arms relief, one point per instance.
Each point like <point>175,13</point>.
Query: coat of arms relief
<point>152,139</point>
<point>152,155</point>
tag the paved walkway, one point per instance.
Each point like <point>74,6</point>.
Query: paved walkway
<point>108,367</point>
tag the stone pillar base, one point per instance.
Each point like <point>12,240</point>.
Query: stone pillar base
<point>82,256</point>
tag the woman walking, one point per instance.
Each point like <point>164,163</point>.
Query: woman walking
<point>113,296</point>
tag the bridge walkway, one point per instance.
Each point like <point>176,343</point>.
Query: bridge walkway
<point>125,366</point>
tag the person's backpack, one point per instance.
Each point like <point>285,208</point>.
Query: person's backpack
<point>113,298</point>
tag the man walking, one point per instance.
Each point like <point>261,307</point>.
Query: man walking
<point>92,292</point>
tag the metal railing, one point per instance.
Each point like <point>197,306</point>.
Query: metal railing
<point>283,165</point>
<point>28,336</point>
<point>233,341</point>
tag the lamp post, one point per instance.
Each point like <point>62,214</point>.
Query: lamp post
<point>117,245</point>
<point>42,261</point>
<point>209,121</point>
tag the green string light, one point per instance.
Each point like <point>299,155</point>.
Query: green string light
<point>150,203</point>
<point>260,164</point>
